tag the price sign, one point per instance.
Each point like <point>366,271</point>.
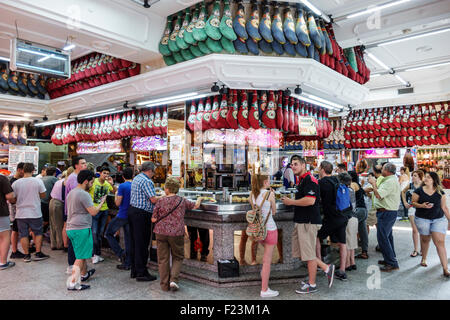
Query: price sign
<point>307,126</point>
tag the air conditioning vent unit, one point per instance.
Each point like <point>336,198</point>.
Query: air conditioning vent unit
<point>37,58</point>
<point>405,90</point>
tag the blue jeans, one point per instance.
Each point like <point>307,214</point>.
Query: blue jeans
<point>386,220</point>
<point>98,227</point>
<point>113,226</point>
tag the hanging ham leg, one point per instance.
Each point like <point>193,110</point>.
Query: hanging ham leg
<point>280,111</point>
<point>269,114</point>
<point>243,110</point>
<point>253,115</point>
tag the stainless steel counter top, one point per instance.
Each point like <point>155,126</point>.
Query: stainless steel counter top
<point>233,208</point>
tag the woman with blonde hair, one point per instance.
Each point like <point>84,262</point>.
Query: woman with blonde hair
<point>265,200</point>
<point>432,218</point>
<point>417,182</point>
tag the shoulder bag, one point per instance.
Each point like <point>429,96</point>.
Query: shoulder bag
<point>256,228</point>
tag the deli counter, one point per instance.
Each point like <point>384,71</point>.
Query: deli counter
<point>225,215</point>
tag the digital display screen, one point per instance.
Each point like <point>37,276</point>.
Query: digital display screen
<point>40,59</point>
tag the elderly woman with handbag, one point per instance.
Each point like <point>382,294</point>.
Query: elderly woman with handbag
<point>168,218</point>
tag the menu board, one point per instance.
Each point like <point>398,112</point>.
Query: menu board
<point>307,126</point>
<point>380,153</point>
<point>149,143</point>
<point>108,146</point>
<point>196,153</point>
<point>265,138</point>
<point>4,154</point>
<point>25,154</point>
<point>175,147</point>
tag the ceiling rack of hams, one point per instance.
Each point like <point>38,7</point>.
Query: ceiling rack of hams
<point>90,71</point>
<point>397,127</point>
<point>252,110</point>
<point>141,123</point>
<point>265,28</point>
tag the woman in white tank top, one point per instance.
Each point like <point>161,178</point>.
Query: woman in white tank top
<point>260,184</point>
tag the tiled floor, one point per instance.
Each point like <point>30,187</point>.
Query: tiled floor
<point>46,280</point>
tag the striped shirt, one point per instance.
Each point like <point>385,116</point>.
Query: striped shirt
<point>142,189</point>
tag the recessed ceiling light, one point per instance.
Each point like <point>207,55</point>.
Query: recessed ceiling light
<point>424,49</point>
<point>101,45</point>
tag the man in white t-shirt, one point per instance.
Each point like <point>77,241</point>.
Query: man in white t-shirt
<point>28,192</point>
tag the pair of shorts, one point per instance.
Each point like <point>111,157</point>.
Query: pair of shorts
<point>304,240</point>
<point>5,224</point>
<point>426,226</point>
<point>271,238</point>
<point>82,242</point>
<point>351,234</point>
<point>411,212</point>
<point>14,226</point>
<point>372,218</point>
<point>335,229</point>
<point>24,226</point>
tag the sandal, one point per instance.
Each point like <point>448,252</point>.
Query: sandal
<point>414,254</point>
<point>423,263</point>
<point>362,255</point>
<point>446,274</point>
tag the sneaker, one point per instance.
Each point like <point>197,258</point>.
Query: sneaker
<point>174,286</point>
<point>306,288</point>
<point>7,265</point>
<point>341,275</point>
<point>69,270</point>
<point>87,275</point>
<point>330,274</point>
<point>17,255</point>
<point>27,258</point>
<point>96,259</point>
<point>38,256</point>
<point>79,287</point>
<point>269,293</point>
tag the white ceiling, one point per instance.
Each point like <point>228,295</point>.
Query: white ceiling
<point>132,32</point>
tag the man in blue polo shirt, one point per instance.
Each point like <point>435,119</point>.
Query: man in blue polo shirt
<point>121,221</point>
<point>143,198</point>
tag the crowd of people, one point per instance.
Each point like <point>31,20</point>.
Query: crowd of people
<point>337,206</point>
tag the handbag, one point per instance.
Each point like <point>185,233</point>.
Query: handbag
<point>256,228</point>
<point>170,212</point>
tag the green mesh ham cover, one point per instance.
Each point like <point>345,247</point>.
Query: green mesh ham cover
<point>164,43</point>
<point>212,25</point>
<point>226,24</point>
<point>199,32</point>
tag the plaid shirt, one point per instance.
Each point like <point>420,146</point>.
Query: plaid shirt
<point>142,189</point>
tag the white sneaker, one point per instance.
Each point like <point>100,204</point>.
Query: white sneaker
<point>95,259</point>
<point>100,259</point>
<point>69,270</point>
<point>174,286</point>
<point>269,293</point>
